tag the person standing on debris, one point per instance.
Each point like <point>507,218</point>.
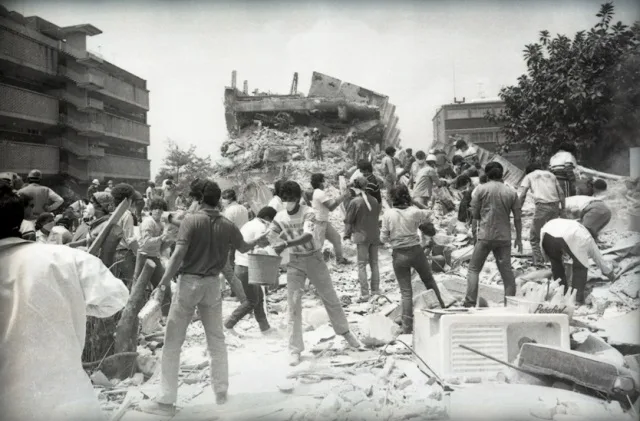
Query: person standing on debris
<point>316,138</point>
<point>466,186</point>
<point>234,212</point>
<point>565,236</point>
<point>363,150</point>
<point>322,206</point>
<point>407,162</point>
<point>361,223</point>
<point>294,228</point>
<point>128,246</point>
<point>549,200</point>
<point>564,166</point>
<point>591,211</point>
<point>150,193</point>
<point>426,180</point>
<point>170,194</point>
<point>44,199</point>
<point>109,186</point>
<point>389,168</point>
<point>468,153</point>
<point>400,230</point>
<point>375,183</point>
<point>202,250</point>
<point>491,206</point>
<point>444,168</point>
<point>255,297</point>
<point>152,240</point>
<point>93,188</point>
<point>47,292</point>
<point>418,164</point>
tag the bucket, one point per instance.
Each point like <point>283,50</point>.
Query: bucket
<point>264,269</point>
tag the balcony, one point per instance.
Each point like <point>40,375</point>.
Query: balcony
<point>85,125</point>
<point>92,104</point>
<point>28,106</point>
<point>65,95</point>
<point>92,81</point>
<point>125,92</point>
<point>72,51</point>
<point>23,157</point>
<point>91,59</point>
<point>19,50</point>
<point>121,167</point>
<point>122,128</point>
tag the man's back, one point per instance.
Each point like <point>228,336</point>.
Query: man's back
<point>365,221</point>
<point>492,204</point>
<point>237,214</point>
<point>543,185</point>
<point>39,194</point>
<point>47,301</point>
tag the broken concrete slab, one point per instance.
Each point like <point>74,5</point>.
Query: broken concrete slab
<point>594,345</point>
<point>623,332</point>
<point>633,362</point>
<point>377,330</point>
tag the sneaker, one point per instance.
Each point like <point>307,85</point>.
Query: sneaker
<point>352,340</point>
<point>221,398</point>
<point>156,408</point>
<point>294,359</point>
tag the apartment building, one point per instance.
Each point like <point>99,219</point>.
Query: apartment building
<point>467,121</point>
<point>65,110</point>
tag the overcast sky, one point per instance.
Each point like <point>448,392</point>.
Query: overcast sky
<point>407,50</point>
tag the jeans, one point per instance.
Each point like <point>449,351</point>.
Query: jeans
<point>156,277</point>
<point>234,282</point>
<point>313,267</point>
<point>368,255</point>
<point>554,249</point>
<point>595,216</point>
<point>405,259</point>
<point>254,302</point>
<point>324,230</point>
<point>204,293</point>
<point>502,252</point>
<point>543,213</point>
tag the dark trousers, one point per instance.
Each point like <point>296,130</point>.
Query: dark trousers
<point>254,302</point>
<point>405,259</point>
<point>554,248</point>
<point>544,212</point>
<point>502,252</point>
<point>156,277</point>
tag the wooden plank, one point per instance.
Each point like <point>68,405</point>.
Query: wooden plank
<point>113,220</point>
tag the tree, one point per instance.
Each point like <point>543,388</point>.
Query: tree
<point>585,91</point>
<point>184,165</point>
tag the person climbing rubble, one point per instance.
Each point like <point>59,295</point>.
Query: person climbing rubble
<point>375,183</point>
<point>417,165</point>
<point>565,236</point>
<point>565,167</point>
<point>255,297</point>
<point>202,251</point>
<point>316,138</point>
<point>400,231</point>
<point>491,206</point>
<point>426,180</point>
<point>468,153</point>
<point>591,211</point>
<point>389,168</point>
<point>361,223</point>
<point>294,228</point>
<point>44,199</point>
<point>322,206</point>
<point>46,293</point>
<point>549,200</point>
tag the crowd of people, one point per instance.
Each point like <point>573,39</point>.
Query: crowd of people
<point>205,235</point>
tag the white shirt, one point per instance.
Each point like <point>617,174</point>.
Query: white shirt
<point>237,214</point>
<point>317,203</point>
<point>276,203</point>
<point>578,239</point>
<point>250,231</point>
<point>578,203</point>
<point>561,159</point>
<point>47,292</point>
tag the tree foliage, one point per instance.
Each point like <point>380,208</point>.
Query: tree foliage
<point>184,164</point>
<point>584,90</point>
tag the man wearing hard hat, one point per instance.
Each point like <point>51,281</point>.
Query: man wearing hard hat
<point>44,199</point>
<point>93,188</point>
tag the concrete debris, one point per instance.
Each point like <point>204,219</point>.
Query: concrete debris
<point>595,345</point>
<point>377,330</point>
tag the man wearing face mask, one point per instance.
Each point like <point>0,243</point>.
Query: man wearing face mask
<point>49,298</point>
<point>296,226</point>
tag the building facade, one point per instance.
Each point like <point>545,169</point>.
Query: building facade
<point>467,121</point>
<point>66,111</point>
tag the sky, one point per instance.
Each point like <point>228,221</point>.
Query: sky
<point>412,51</point>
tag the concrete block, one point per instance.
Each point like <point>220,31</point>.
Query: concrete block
<point>633,362</point>
<point>595,345</point>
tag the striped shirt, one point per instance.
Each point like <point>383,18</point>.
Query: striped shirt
<point>290,227</point>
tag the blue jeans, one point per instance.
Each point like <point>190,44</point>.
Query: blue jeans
<point>502,252</point>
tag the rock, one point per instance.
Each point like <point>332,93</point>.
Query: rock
<point>232,149</point>
<point>321,334</point>
<point>633,362</point>
<point>377,330</point>
<point>329,406</point>
<point>286,386</point>
<point>297,157</point>
<point>364,382</point>
<point>137,379</point>
<point>99,379</point>
<point>316,317</point>
<point>595,345</point>
<point>147,363</point>
<point>153,345</point>
<point>194,357</point>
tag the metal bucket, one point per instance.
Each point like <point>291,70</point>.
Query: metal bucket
<point>264,269</point>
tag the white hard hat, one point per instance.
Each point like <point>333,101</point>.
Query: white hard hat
<point>96,182</point>
<point>431,157</point>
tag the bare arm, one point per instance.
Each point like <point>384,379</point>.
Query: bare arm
<point>174,264</point>
<point>349,219</point>
<point>56,201</point>
<point>523,195</point>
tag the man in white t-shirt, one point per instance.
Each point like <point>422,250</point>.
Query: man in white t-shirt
<point>322,205</point>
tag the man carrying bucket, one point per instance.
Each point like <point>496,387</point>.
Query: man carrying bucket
<point>255,297</point>
<point>295,225</point>
<point>202,250</point>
